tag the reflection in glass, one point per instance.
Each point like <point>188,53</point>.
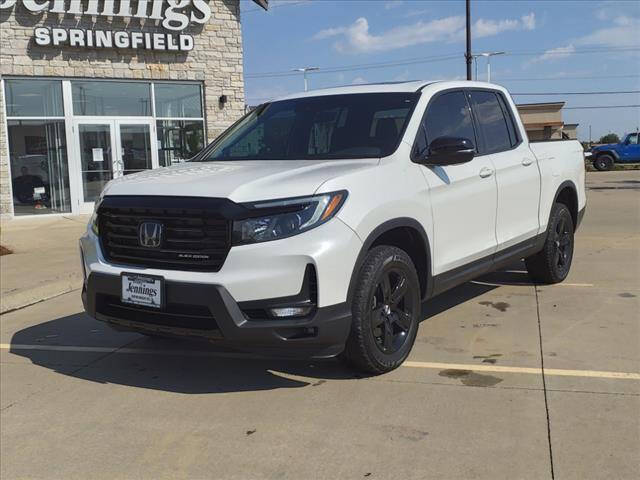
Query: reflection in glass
<point>111,98</point>
<point>178,100</point>
<point>96,159</point>
<point>179,140</point>
<point>135,143</point>
<point>34,98</point>
<point>39,167</point>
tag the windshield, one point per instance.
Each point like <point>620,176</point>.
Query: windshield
<point>336,126</point>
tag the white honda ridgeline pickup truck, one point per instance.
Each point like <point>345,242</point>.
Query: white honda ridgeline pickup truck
<point>317,224</point>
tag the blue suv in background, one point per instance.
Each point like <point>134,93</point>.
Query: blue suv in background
<point>627,151</point>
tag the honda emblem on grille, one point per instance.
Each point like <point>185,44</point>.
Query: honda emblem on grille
<point>150,234</point>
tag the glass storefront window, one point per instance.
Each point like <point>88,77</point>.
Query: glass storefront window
<point>179,140</point>
<point>99,98</point>
<point>34,98</point>
<point>175,100</point>
<point>39,166</point>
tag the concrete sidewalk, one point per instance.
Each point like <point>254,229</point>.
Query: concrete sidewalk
<point>45,262</point>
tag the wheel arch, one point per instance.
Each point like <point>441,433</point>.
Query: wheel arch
<point>612,153</point>
<point>567,194</point>
<point>407,234</point>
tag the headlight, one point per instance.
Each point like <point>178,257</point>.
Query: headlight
<point>285,218</point>
<point>93,221</point>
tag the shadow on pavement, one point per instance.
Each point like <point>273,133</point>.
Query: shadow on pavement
<point>189,367</point>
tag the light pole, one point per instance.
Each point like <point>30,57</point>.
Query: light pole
<point>489,55</point>
<point>304,71</point>
<point>475,62</point>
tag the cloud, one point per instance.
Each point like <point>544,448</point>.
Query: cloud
<point>623,33</point>
<point>393,4</point>
<point>554,54</point>
<point>529,21</point>
<point>357,38</point>
<point>417,12</point>
<point>359,81</point>
<point>486,28</point>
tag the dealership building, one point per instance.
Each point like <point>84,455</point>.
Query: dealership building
<point>91,90</point>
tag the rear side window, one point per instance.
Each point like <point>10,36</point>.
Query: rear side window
<point>491,122</point>
<point>448,116</point>
<point>511,125</point>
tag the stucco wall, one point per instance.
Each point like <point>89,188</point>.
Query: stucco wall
<point>216,60</point>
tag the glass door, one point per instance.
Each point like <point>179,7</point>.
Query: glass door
<point>135,152</point>
<point>96,147</point>
<point>109,149</point>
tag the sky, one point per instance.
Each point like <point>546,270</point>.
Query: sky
<point>550,47</point>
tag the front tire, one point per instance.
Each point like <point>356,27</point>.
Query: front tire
<point>603,163</point>
<point>553,262</point>
<point>385,311</point>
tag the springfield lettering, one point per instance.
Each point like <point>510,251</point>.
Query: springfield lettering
<point>173,15</point>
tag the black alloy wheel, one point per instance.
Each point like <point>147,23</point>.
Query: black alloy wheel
<point>563,244</point>
<point>391,312</point>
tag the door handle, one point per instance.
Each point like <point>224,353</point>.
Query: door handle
<point>486,172</point>
<point>526,162</point>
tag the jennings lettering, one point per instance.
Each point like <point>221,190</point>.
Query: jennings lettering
<point>142,290</point>
<point>176,15</point>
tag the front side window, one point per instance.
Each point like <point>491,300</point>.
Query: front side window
<point>491,121</point>
<point>335,126</point>
<point>448,116</point>
<point>633,139</point>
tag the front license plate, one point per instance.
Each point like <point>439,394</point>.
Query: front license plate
<point>142,290</point>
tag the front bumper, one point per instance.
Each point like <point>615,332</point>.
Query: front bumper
<point>209,312</point>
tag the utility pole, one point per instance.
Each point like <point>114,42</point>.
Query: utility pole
<point>468,54</point>
<point>304,71</point>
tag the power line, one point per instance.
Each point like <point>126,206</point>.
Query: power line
<point>578,93</point>
<point>418,60</point>
<point>365,66</point>
<point>573,52</point>
<point>567,77</point>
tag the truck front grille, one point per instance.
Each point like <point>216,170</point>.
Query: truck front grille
<point>194,239</point>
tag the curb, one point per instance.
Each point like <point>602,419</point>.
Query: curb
<point>21,299</point>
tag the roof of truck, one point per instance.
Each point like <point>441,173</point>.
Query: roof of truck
<point>386,87</point>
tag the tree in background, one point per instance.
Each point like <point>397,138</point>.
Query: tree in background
<point>609,138</point>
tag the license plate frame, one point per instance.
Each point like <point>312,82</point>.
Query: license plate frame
<point>138,299</point>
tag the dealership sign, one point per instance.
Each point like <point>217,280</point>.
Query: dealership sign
<point>173,15</point>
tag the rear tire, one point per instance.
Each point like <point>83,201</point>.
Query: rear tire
<point>603,163</point>
<point>553,262</point>
<point>385,311</point>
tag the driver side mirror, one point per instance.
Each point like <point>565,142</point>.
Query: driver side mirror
<point>448,151</point>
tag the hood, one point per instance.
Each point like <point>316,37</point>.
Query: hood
<point>241,181</point>
<point>607,146</point>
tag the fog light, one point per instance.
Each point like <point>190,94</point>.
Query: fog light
<point>285,312</point>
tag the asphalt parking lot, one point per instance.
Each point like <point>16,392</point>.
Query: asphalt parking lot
<point>80,401</point>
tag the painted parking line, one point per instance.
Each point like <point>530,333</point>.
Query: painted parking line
<point>407,364</point>
<point>529,284</point>
<point>527,370</point>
